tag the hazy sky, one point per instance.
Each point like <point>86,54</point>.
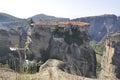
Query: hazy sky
<point>60,8</point>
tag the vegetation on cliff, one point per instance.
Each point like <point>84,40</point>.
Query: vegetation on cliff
<point>98,47</point>
<point>73,36</point>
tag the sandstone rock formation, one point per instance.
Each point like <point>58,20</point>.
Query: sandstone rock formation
<point>111,63</point>
<point>51,70</point>
<point>78,60</point>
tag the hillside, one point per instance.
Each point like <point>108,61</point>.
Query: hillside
<point>6,17</point>
<point>7,21</point>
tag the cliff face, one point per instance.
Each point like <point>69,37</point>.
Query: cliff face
<point>78,60</point>
<point>9,38</point>
<point>101,25</point>
<point>73,59</point>
<point>111,63</point>
<point>41,37</point>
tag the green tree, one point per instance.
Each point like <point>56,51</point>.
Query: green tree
<point>58,33</point>
<point>98,47</point>
<point>75,37</point>
<point>30,56</point>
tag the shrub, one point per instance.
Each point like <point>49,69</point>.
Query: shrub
<point>98,67</point>
<point>98,47</point>
<point>30,56</point>
<point>75,37</point>
<point>5,66</point>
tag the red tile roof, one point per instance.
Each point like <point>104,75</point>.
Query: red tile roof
<point>74,23</point>
<point>55,22</point>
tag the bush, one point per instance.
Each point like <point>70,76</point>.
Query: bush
<point>30,56</point>
<point>32,68</point>
<point>98,67</point>
<point>75,37</point>
<point>58,33</point>
<point>69,38</point>
<point>98,47</point>
<point>5,66</point>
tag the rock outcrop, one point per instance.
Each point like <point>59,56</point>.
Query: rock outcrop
<point>111,63</point>
<point>41,37</point>
<point>79,57</point>
<point>51,70</point>
<point>78,60</point>
<point>62,68</point>
<point>9,38</point>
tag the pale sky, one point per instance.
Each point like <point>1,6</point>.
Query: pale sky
<point>60,8</point>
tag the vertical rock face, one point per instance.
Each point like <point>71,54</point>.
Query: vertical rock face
<point>9,38</point>
<point>111,62</point>
<point>79,60</point>
<point>4,37</point>
<point>116,56</point>
<point>40,40</point>
<point>116,60</point>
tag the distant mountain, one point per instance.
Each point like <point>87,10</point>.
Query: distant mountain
<point>102,25</point>
<point>7,21</point>
<point>43,16</point>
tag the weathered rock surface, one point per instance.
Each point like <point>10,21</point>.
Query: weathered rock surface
<point>41,37</point>
<point>51,70</point>
<point>111,58</point>
<point>79,60</point>
<point>9,38</point>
